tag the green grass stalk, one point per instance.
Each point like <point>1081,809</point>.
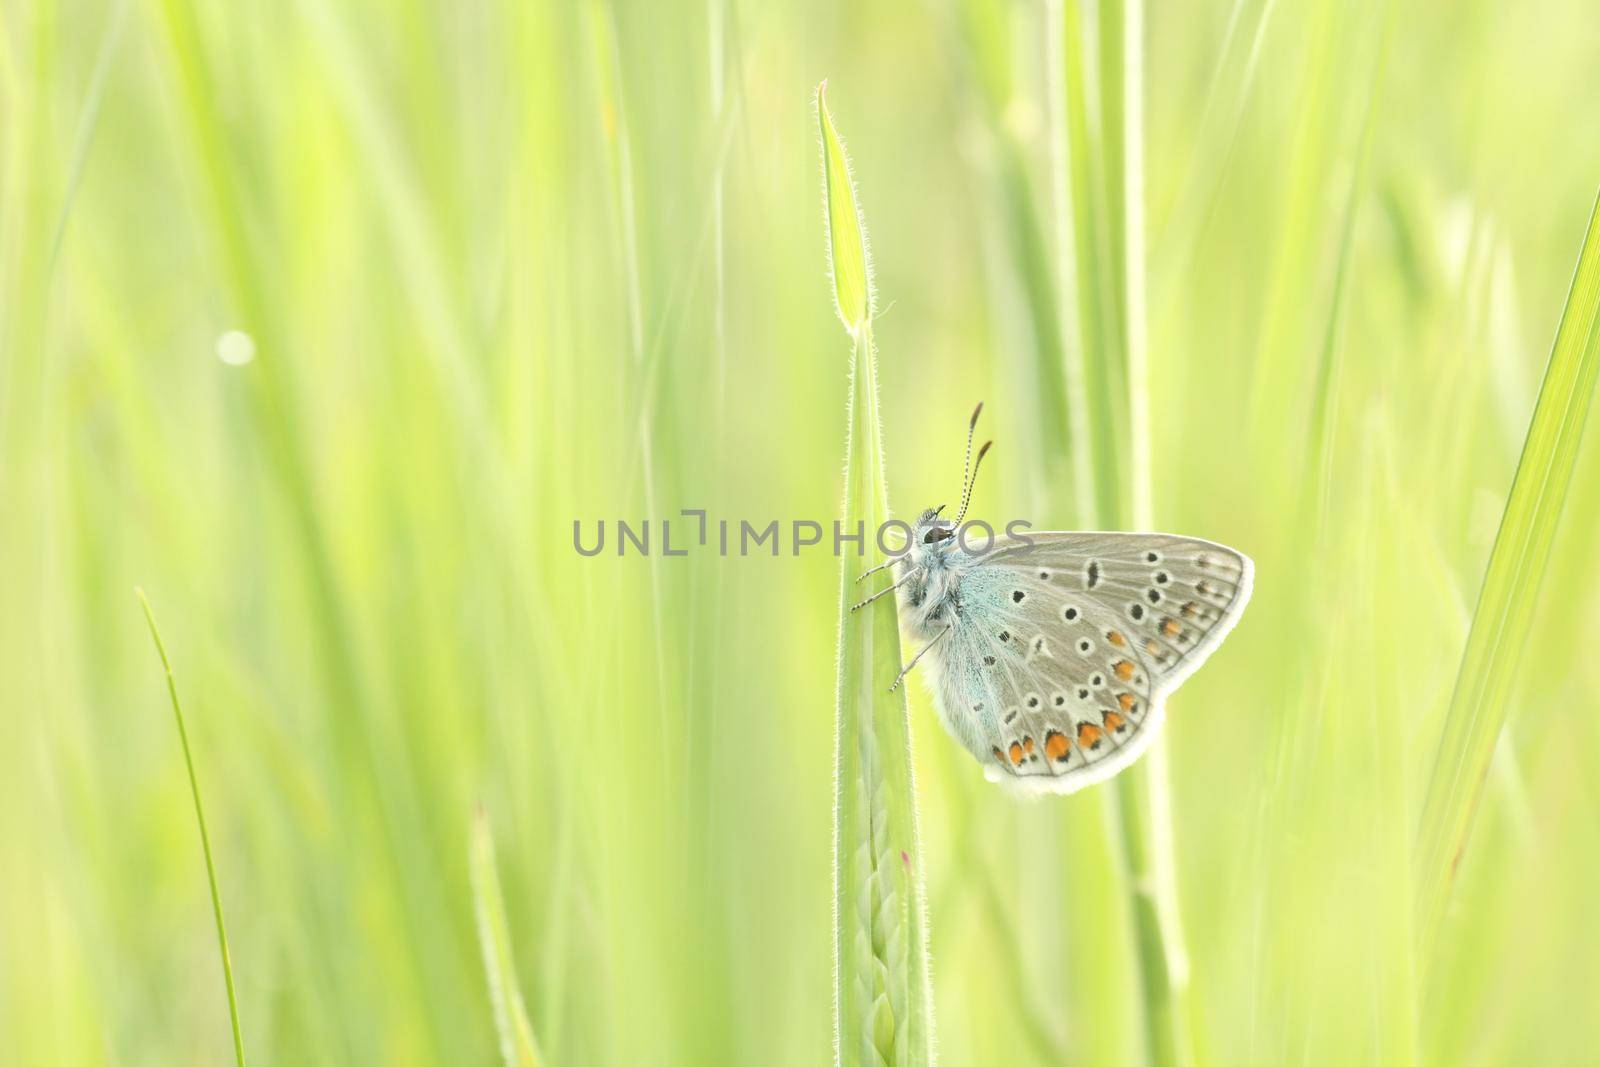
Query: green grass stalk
<point>1066,273</point>
<point>1101,361</point>
<point>1143,792</point>
<point>883,1004</point>
<point>205,838</point>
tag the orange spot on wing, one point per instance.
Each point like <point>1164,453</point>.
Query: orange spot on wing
<point>1016,753</point>
<point>1027,745</point>
<point>1122,669</point>
<point>1113,721</point>
<point>1056,745</point>
<point>1126,700</point>
<point>1190,610</point>
<point>1170,628</point>
<point>1116,638</point>
<point>1089,735</point>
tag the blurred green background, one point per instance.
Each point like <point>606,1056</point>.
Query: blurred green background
<point>500,266</point>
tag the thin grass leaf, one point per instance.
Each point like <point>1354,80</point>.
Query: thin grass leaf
<point>883,1004</point>
<point>849,261</point>
<point>205,839</point>
<point>1501,621</point>
<point>517,1044</point>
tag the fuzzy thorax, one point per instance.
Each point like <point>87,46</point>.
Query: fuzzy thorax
<point>930,601</point>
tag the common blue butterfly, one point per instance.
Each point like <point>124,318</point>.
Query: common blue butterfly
<point>1052,654</point>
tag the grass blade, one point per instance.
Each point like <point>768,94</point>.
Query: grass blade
<point>1117,371</point>
<point>205,839</point>
<point>849,260</point>
<point>1101,366</point>
<point>1501,622</point>
<point>883,1010</point>
<point>517,1044</point>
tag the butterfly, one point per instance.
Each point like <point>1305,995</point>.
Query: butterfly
<point>1053,653</point>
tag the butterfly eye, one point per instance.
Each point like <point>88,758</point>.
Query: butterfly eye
<point>936,534</point>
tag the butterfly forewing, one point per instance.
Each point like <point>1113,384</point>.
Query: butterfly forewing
<point>1181,595</point>
<point>1057,679</point>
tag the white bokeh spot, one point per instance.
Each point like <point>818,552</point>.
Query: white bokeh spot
<point>236,348</point>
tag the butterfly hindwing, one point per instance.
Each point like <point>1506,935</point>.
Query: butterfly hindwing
<point>1070,644</point>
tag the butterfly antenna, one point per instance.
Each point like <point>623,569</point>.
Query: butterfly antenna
<point>972,424</point>
<point>966,460</point>
<point>966,493</point>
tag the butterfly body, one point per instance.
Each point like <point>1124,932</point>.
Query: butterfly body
<point>933,597</point>
<point>1052,654</point>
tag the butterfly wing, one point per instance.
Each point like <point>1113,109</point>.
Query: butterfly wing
<point>1067,647</point>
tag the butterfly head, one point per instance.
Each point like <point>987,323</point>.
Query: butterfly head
<point>931,532</point>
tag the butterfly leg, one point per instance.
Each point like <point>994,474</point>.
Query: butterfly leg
<point>870,571</point>
<point>885,592</point>
<point>907,668</point>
